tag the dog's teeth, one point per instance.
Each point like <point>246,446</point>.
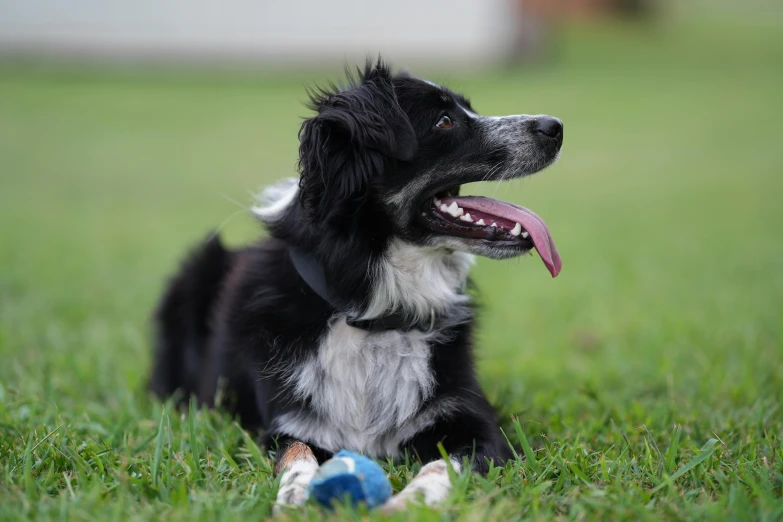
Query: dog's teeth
<point>444,208</point>
<point>525,234</point>
<point>437,202</point>
<point>455,209</point>
<point>480,222</point>
<point>516,230</point>
<point>494,225</point>
<point>467,218</point>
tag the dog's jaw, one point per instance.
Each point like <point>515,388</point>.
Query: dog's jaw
<point>424,210</point>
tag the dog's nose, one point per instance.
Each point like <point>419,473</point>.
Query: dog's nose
<point>549,127</point>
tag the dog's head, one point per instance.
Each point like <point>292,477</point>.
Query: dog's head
<point>385,157</point>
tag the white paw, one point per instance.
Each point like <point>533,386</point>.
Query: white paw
<point>396,503</point>
<point>288,497</point>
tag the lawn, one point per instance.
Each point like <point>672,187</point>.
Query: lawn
<point>644,383</point>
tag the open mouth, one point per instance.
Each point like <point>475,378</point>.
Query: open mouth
<point>502,224</point>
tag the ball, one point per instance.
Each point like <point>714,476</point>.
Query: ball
<point>350,476</point>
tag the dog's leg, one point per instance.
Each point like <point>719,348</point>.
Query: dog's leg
<point>432,484</point>
<point>298,464</point>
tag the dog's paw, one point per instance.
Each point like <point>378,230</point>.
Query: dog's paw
<point>400,501</point>
<point>291,496</point>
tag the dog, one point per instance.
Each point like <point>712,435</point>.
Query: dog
<point>349,327</point>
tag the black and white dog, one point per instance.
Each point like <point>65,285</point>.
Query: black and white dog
<point>350,326</point>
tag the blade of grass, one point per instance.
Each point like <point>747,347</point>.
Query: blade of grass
<point>529,453</point>
<point>511,446</point>
<point>135,451</point>
<point>29,483</point>
<point>193,440</point>
<point>703,455</point>
<point>445,456</point>
<point>671,454</point>
<point>158,450</point>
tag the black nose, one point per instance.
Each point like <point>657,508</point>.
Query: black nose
<point>550,127</point>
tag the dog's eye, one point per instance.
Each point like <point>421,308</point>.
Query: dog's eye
<point>445,122</point>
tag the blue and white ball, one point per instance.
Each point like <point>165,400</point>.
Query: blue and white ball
<point>350,476</point>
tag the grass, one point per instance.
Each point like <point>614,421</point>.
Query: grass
<point>644,383</point>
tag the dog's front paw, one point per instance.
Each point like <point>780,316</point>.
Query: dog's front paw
<point>430,487</point>
<point>402,500</point>
<point>293,495</point>
<point>394,504</point>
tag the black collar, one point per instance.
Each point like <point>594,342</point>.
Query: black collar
<point>312,272</point>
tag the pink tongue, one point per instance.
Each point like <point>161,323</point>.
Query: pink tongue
<point>539,233</point>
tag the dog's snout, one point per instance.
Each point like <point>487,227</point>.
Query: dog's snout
<point>549,127</point>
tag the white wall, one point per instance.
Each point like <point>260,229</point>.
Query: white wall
<point>299,31</point>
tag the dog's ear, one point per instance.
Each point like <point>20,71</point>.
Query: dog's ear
<point>358,132</point>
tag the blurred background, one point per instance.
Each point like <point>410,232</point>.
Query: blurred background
<point>455,33</point>
<point>128,130</point>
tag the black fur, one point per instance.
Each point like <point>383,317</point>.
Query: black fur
<point>246,317</point>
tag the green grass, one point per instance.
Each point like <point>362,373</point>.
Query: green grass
<point>645,382</point>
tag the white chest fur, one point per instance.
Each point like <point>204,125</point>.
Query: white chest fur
<point>366,390</point>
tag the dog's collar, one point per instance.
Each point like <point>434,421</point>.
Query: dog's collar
<point>312,273</point>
